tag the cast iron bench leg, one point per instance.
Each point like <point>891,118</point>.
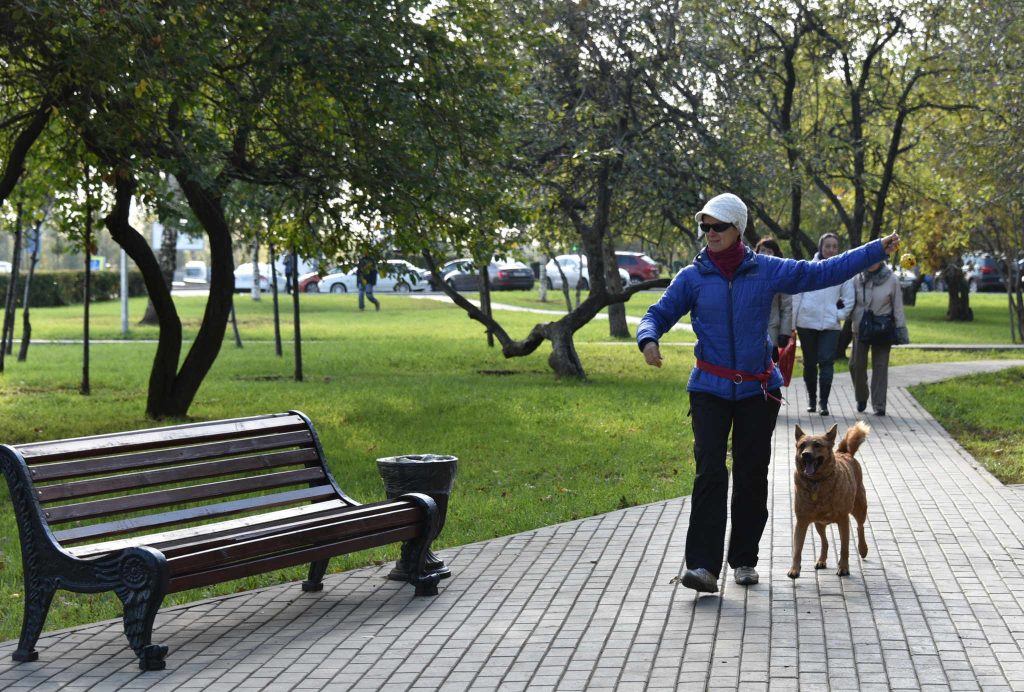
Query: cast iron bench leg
<point>415,551</point>
<point>316,576</point>
<point>38,595</point>
<point>141,583</point>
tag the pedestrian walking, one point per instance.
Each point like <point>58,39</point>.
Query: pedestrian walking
<point>818,317</point>
<point>366,279</point>
<point>289,272</point>
<point>728,291</point>
<point>877,292</point>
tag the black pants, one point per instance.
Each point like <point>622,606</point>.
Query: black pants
<point>819,351</point>
<point>752,422</point>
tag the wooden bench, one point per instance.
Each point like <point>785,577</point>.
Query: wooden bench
<point>151,512</point>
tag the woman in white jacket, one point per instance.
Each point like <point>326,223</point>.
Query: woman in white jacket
<point>818,316</point>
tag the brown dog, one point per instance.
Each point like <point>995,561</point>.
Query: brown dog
<point>827,489</point>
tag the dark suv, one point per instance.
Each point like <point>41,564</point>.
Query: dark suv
<point>983,273</point>
<point>639,266</point>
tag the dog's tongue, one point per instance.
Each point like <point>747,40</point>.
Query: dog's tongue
<point>810,468</point>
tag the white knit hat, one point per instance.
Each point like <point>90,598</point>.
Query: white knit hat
<point>725,207</point>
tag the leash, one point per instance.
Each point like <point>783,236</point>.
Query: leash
<point>737,376</point>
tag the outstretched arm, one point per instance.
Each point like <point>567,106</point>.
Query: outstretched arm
<point>800,276</point>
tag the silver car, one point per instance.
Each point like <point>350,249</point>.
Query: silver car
<point>392,275</point>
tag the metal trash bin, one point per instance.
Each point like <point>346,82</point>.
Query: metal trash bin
<point>430,474</point>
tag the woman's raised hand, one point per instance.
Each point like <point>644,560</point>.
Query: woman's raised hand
<point>891,243</point>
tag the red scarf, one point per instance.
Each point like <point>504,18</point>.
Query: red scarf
<point>728,260</point>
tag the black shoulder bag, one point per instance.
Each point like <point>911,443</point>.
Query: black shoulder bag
<point>876,330</point>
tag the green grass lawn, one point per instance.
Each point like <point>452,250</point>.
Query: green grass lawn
<point>533,450</point>
<point>985,413</point>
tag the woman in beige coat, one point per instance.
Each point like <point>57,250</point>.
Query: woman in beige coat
<point>877,290</point>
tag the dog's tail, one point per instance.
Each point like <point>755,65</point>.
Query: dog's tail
<point>855,436</point>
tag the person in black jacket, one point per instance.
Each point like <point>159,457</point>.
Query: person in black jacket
<point>366,279</point>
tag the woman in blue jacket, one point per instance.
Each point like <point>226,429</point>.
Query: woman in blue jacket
<point>728,292</point>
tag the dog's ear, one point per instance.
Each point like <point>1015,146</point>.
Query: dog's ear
<point>799,433</point>
<point>831,434</point>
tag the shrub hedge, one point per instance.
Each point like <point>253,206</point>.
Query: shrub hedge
<point>67,287</point>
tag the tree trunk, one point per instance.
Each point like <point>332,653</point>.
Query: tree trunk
<point>234,324</point>
<point>579,284</point>
<point>273,293</point>
<point>255,268</point>
<point>485,299</point>
<point>168,263</point>
<point>208,207</point>
<point>563,358</point>
<point>87,297</point>
<point>26,322</point>
<point>168,349</point>
<point>1015,295</point>
<point>543,278</point>
<point>565,288</point>
<point>7,333</point>
<point>1015,317</point>
<point>14,161</point>
<point>618,328</point>
<point>171,390</point>
<point>959,309</point>
<point>296,322</point>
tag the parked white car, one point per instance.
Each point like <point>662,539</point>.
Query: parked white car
<point>243,278</point>
<point>338,282</point>
<point>398,276</point>
<point>575,269</point>
<point>196,273</point>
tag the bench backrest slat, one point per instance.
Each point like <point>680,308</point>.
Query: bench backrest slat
<point>232,534</point>
<point>163,498</point>
<point>93,489</point>
<point>154,438</point>
<point>173,537</point>
<point>99,463</point>
<point>143,479</point>
<point>122,526</point>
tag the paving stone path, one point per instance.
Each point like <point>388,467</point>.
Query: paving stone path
<point>593,604</point>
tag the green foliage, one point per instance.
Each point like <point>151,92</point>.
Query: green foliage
<point>50,289</point>
<point>371,127</point>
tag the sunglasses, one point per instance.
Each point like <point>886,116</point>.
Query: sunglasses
<point>716,227</point>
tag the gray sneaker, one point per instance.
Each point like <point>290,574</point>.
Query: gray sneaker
<point>745,576</point>
<point>700,580</point>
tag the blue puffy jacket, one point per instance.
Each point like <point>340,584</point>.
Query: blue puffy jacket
<point>730,318</point>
